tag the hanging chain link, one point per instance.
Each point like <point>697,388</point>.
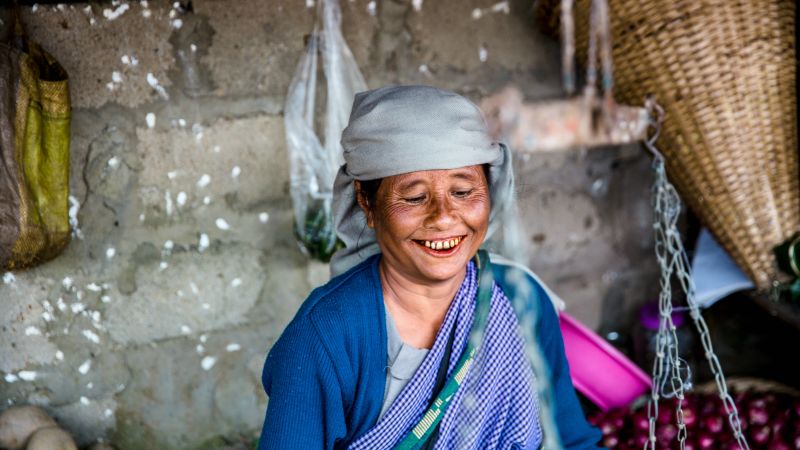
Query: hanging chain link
<point>669,369</point>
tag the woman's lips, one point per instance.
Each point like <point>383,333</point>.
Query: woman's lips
<point>441,246</point>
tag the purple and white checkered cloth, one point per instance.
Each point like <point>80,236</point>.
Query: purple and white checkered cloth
<point>495,407</point>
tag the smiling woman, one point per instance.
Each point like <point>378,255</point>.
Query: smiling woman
<point>414,342</point>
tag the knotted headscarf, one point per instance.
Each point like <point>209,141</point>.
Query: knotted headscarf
<point>400,129</point>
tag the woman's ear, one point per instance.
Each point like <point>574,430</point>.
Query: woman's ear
<point>364,204</point>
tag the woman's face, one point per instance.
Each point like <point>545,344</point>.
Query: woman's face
<point>429,224</point>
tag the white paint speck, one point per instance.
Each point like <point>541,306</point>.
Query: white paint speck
<point>77,307</point>
<point>263,217</point>
<point>216,148</point>
<point>208,362</point>
<point>10,377</point>
<point>116,77</point>
<point>112,15</point>
<point>417,4</point>
<point>105,299</point>
<point>182,123</point>
<point>84,400</point>
<point>26,375</point>
<point>172,174</point>
<point>185,329</point>
<point>501,7</point>
<point>153,82</point>
<point>206,306</point>
<point>193,48</point>
<point>91,335</point>
<point>146,13</point>
<point>203,338</point>
<point>483,54</point>
<point>207,200</point>
<point>84,368</point>
<point>236,282</point>
<point>33,331</point>
<point>47,316</point>
<point>181,198</point>
<point>113,162</point>
<point>168,203</point>
<point>477,13</point>
<point>169,245</point>
<point>67,283</point>
<point>110,252</point>
<point>89,385</point>
<point>94,287</point>
<point>8,278</point>
<point>111,86</point>
<point>141,217</point>
<point>200,349</point>
<point>74,207</point>
<point>309,3</point>
<point>150,118</point>
<point>163,265</point>
<point>204,180</point>
<point>222,224</point>
<point>59,355</point>
<point>234,347</point>
<point>177,24</point>
<point>236,171</point>
<point>60,304</point>
<point>203,244</point>
<point>35,7</point>
<point>108,412</point>
<point>193,287</point>
<point>372,8</point>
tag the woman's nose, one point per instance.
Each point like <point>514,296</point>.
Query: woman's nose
<point>440,213</point>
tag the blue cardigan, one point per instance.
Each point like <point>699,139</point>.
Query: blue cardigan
<point>326,374</point>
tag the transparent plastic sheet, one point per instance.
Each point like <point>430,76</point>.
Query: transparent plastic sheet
<point>313,166</point>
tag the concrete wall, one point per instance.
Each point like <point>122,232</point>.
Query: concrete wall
<point>150,330</point>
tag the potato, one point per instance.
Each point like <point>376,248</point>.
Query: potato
<point>51,438</point>
<point>18,423</point>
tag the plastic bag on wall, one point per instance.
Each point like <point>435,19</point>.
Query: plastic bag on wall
<point>34,154</point>
<point>313,166</point>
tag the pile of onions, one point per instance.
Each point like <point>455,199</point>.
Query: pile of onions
<point>770,421</point>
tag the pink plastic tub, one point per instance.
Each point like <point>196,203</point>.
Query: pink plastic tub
<point>599,371</point>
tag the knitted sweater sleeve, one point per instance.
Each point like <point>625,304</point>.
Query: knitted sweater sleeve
<point>576,433</point>
<point>305,407</point>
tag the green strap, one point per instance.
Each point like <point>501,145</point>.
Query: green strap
<point>422,431</point>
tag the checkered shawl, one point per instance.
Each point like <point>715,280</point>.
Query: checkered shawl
<point>495,407</point>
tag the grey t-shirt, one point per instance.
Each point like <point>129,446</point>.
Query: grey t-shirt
<point>403,362</point>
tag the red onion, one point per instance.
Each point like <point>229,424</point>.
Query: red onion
<point>760,435</point>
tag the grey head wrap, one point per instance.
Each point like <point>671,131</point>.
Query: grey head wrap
<point>401,129</point>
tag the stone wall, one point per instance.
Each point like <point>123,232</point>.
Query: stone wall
<point>150,330</point>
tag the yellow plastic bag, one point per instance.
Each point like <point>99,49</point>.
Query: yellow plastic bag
<point>34,155</point>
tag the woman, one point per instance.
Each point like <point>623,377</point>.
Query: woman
<point>413,343</point>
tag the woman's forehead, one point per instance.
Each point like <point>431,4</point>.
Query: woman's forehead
<point>405,180</point>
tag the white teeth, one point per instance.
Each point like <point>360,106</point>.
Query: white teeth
<point>446,245</point>
<point>452,243</point>
<point>439,245</point>
<point>428,244</point>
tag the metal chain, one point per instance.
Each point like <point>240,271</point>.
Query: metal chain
<point>673,260</point>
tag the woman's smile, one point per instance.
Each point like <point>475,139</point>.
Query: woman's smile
<point>441,247</point>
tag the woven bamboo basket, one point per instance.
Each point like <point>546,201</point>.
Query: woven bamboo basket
<point>724,71</point>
